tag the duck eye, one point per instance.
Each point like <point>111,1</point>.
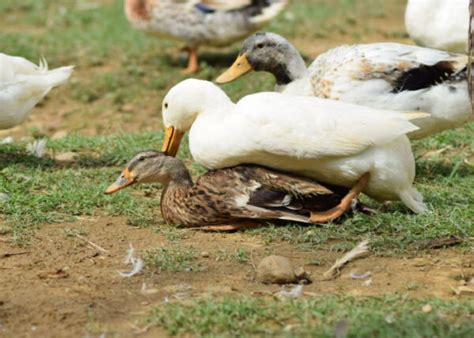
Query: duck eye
<point>141,158</point>
<point>260,46</point>
<point>166,104</point>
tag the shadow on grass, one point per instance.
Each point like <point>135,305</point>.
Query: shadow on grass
<point>81,161</point>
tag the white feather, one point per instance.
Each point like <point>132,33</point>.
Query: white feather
<point>137,263</point>
<point>37,148</point>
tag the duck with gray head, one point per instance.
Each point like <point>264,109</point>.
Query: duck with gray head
<point>377,75</point>
<point>225,199</point>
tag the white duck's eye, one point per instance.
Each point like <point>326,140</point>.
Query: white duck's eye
<point>166,104</point>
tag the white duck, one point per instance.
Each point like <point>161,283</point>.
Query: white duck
<point>440,24</point>
<point>202,22</point>
<point>23,84</point>
<point>331,141</point>
<point>380,75</point>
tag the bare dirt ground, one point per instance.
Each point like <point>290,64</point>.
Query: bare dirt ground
<point>63,286</point>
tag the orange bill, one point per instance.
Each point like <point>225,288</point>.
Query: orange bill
<point>240,67</point>
<point>172,141</point>
<point>125,179</point>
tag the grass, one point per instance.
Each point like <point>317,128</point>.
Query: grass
<point>48,191</point>
<point>328,316</point>
<point>240,255</point>
<point>114,96</point>
<point>173,259</point>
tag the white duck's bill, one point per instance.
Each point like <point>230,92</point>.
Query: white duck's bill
<point>172,140</point>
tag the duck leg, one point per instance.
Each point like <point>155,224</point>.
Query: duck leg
<point>229,227</point>
<point>193,64</point>
<point>344,205</point>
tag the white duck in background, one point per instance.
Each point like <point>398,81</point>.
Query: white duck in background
<point>379,75</point>
<point>202,22</point>
<point>333,142</point>
<point>440,24</point>
<point>23,84</point>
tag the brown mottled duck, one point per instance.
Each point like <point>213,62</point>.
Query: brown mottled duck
<point>227,199</point>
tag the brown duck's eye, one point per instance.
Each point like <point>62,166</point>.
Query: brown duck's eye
<point>260,46</point>
<point>166,105</point>
<point>141,158</point>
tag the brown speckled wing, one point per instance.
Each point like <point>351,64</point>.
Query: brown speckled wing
<point>246,192</point>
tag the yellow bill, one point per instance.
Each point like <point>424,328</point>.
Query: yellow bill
<point>240,67</point>
<point>172,141</point>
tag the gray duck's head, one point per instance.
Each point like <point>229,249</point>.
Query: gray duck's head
<point>267,52</point>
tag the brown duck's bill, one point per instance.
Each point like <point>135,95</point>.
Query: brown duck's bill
<point>125,179</point>
<point>240,67</point>
<point>172,141</point>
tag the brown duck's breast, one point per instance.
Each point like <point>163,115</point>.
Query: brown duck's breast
<point>138,10</point>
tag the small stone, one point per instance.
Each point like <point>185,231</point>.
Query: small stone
<point>427,308</point>
<point>205,254</point>
<point>276,270</point>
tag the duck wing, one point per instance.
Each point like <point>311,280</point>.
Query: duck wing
<point>403,67</point>
<point>314,128</point>
<point>259,193</point>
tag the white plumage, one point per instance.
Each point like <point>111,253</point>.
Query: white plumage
<point>23,84</point>
<point>334,142</point>
<point>440,24</point>
<point>397,77</point>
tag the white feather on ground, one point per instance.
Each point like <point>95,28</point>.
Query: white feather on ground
<point>37,148</point>
<point>360,250</point>
<point>294,292</point>
<point>355,275</point>
<point>137,263</point>
<point>7,140</point>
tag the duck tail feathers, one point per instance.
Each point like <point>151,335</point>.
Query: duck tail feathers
<point>413,200</point>
<point>268,9</point>
<point>58,76</point>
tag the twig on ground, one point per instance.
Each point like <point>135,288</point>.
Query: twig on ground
<point>91,243</point>
<point>360,250</point>
<point>9,254</point>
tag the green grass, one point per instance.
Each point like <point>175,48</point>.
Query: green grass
<point>327,316</point>
<point>48,191</point>
<point>240,255</point>
<point>173,259</point>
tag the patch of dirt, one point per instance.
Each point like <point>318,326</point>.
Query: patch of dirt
<point>62,286</point>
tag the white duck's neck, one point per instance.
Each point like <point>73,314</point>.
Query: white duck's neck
<point>213,100</point>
